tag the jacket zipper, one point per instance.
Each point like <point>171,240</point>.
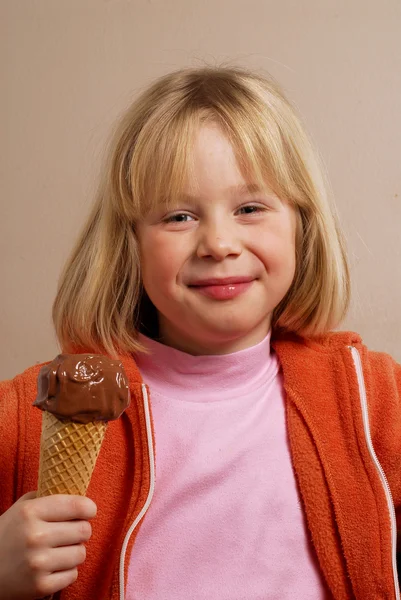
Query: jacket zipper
<point>145,507</point>
<point>365,417</point>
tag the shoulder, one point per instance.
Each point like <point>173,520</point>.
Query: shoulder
<point>330,343</point>
<point>16,398</point>
<point>20,426</point>
<point>383,366</point>
<point>23,382</point>
<point>334,351</point>
<point>18,394</point>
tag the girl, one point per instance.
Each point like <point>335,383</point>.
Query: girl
<point>212,263</point>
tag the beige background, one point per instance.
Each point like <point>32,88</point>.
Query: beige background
<point>70,66</point>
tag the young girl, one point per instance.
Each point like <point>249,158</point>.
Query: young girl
<point>260,455</point>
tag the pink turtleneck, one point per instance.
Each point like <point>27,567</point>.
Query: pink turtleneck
<point>225,522</point>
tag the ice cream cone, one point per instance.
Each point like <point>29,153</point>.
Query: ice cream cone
<point>68,453</point>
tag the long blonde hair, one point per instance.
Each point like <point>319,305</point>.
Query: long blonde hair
<point>98,304</point>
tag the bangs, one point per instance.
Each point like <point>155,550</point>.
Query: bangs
<point>160,166</point>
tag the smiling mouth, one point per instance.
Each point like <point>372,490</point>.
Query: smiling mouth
<point>222,289</point>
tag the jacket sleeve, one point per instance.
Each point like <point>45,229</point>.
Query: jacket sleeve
<point>383,376</point>
<point>20,429</point>
<point>10,424</point>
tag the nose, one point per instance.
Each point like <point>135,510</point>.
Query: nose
<point>218,242</point>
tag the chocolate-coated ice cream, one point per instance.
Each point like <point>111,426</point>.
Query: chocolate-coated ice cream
<point>83,388</point>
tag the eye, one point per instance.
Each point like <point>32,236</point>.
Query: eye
<point>250,209</point>
<point>178,218</point>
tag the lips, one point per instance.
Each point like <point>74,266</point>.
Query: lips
<point>225,288</point>
<point>221,281</point>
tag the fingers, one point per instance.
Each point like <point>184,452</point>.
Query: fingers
<point>58,559</point>
<point>54,535</point>
<point>65,559</point>
<point>61,507</point>
<point>42,544</point>
<point>55,582</point>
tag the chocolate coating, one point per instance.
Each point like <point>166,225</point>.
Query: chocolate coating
<point>83,388</point>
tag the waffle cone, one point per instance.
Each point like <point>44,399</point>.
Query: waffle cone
<point>68,453</point>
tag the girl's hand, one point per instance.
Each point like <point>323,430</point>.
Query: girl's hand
<point>42,543</point>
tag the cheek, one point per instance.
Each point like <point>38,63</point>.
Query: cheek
<point>283,246</point>
<point>277,253</point>
<point>159,260</point>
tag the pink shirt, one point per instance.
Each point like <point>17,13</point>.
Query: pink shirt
<point>225,522</point>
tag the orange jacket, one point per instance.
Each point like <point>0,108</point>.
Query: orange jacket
<point>344,426</point>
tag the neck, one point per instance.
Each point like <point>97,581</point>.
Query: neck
<point>206,378</point>
<point>212,346</point>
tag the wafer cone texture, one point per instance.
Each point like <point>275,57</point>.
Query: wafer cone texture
<point>68,453</point>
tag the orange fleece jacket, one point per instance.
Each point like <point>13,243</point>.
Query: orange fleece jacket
<point>342,494</point>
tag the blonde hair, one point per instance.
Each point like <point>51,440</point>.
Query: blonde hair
<point>98,304</point>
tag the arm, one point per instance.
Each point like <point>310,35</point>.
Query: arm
<point>383,378</point>
<point>41,539</point>
<point>9,425</point>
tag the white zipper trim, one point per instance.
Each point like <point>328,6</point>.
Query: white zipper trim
<point>365,417</point>
<point>150,494</point>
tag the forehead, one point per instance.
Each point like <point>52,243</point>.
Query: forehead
<point>213,162</point>
<point>203,156</point>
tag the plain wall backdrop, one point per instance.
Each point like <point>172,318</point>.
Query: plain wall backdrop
<point>69,68</point>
